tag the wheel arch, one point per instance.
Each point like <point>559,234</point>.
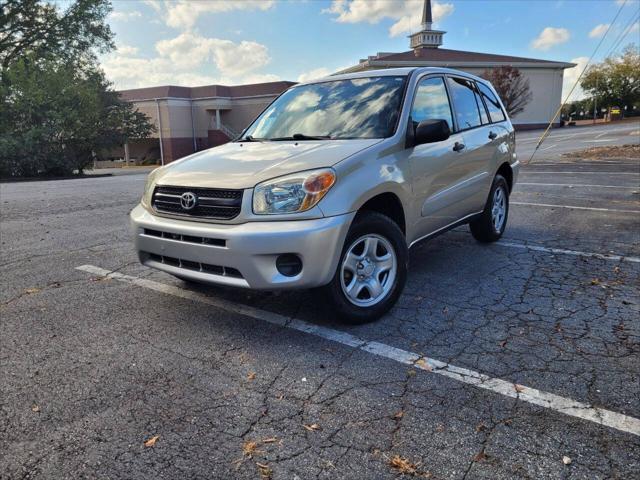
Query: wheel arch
<point>507,172</point>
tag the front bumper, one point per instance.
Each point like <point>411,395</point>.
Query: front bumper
<point>241,255</point>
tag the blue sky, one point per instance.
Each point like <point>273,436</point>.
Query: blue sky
<point>243,41</point>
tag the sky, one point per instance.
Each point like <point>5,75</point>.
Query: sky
<point>232,42</point>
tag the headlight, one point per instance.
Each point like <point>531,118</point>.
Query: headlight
<point>294,193</point>
<point>149,186</point>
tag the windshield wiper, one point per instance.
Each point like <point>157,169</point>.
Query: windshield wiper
<point>302,136</point>
<point>249,138</point>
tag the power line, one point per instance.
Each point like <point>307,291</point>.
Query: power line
<point>545,133</point>
<point>623,34</point>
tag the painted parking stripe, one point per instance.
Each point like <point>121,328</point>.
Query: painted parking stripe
<point>574,207</point>
<point>577,185</point>
<point>564,251</point>
<point>534,396</point>
<point>578,173</point>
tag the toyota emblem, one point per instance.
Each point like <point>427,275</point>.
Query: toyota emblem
<point>188,200</point>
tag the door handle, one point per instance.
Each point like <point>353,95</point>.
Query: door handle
<point>458,147</point>
<point>493,135</point>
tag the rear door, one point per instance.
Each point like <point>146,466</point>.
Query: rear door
<point>475,165</point>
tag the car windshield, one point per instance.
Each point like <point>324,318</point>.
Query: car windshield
<point>356,108</point>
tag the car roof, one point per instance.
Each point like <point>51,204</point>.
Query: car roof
<point>393,72</point>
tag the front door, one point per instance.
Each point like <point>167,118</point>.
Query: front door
<point>435,167</point>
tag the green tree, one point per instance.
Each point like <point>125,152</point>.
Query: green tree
<point>57,110</point>
<point>40,28</point>
<point>616,80</point>
<point>55,117</point>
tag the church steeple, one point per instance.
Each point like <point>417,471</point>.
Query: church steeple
<point>427,19</point>
<point>426,37</point>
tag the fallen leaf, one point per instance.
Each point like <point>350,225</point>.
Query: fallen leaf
<point>30,291</point>
<point>399,415</point>
<point>152,441</point>
<point>313,427</point>
<point>480,456</point>
<point>249,448</point>
<point>403,465</point>
<point>265,470</point>
<point>595,281</point>
<point>566,460</point>
<point>251,376</point>
<point>422,363</point>
<point>518,388</point>
<point>35,408</point>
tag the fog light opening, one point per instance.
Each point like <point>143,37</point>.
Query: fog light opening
<point>289,264</point>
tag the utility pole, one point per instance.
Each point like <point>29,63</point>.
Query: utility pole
<point>595,101</point>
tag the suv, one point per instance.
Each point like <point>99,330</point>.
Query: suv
<point>332,184</point>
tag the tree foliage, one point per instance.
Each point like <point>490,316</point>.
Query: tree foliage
<point>33,27</point>
<point>56,117</point>
<point>57,110</point>
<point>615,81</point>
<point>512,87</point>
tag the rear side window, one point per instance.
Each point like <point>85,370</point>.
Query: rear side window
<point>432,102</point>
<point>464,103</point>
<point>495,111</point>
<point>484,116</point>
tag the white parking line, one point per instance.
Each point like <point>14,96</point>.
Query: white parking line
<point>573,185</point>
<point>574,207</point>
<point>534,396</point>
<point>580,173</point>
<point>563,251</point>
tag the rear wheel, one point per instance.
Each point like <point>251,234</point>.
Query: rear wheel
<point>490,225</point>
<point>372,269</point>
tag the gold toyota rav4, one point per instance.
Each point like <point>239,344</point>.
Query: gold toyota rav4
<point>332,184</point>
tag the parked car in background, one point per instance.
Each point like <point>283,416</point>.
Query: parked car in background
<point>332,184</point>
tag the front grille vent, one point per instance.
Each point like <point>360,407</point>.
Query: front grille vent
<point>194,266</point>
<point>203,203</point>
<point>217,242</point>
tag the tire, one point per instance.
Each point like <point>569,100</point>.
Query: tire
<point>487,227</point>
<point>376,247</point>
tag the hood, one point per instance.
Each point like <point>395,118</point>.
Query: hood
<point>238,165</point>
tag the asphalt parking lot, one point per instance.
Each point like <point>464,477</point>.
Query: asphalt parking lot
<point>519,359</point>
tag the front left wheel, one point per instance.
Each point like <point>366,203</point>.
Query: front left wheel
<point>372,270</point>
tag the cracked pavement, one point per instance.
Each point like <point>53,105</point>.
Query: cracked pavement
<point>91,368</point>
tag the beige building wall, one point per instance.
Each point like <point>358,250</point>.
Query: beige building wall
<point>546,89</point>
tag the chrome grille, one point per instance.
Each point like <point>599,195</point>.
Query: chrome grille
<point>210,203</point>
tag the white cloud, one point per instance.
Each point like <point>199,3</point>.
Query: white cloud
<point>182,59</point>
<point>599,30</point>
<point>183,14</point>
<point>124,16</point>
<point>550,37</point>
<point>571,76</point>
<point>189,50</point>
<point>407,15</point>
<point>126,49</point>
<point>313,74</point>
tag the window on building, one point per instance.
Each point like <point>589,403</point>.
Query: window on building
<point>431,102</point>
<point>495,111</point>
<point>464,103</point>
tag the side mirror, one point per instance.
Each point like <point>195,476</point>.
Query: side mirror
<point>429,131</point>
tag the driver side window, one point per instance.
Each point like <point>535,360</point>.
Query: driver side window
<point>432,102</point>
